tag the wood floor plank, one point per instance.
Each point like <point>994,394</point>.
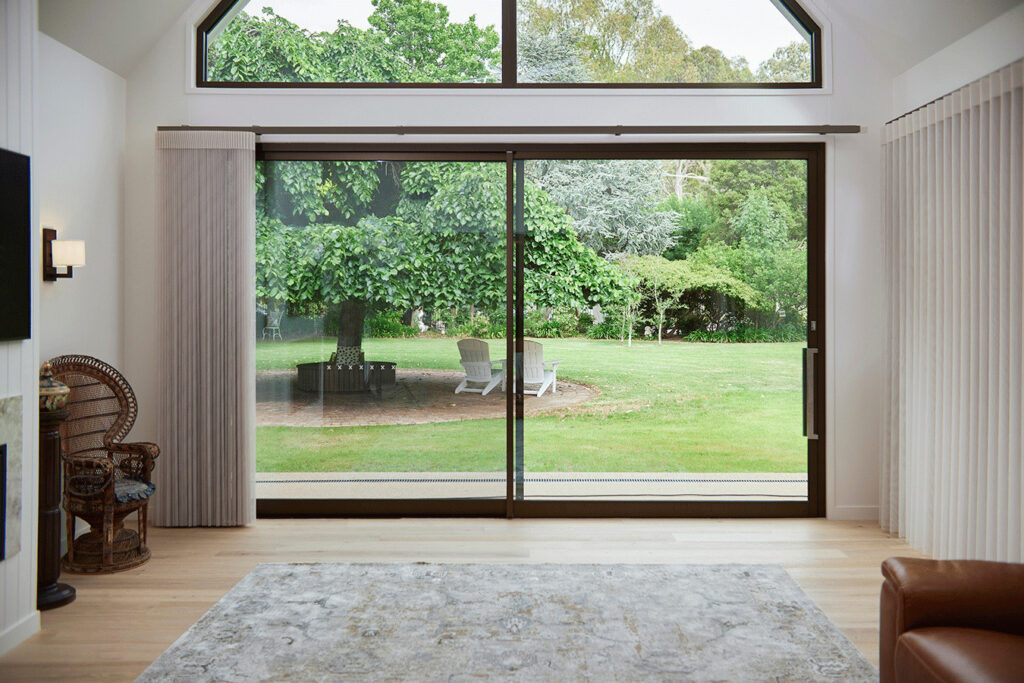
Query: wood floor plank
<point>145,610</point>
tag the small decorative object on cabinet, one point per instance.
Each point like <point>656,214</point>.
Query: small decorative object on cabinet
<point>105,480</point>
<point>53,396</point>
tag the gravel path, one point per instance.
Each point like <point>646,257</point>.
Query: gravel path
<point>418,397</point>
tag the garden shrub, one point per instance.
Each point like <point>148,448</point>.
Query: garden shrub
<point>389,325</point>
<point>562,323</point>
<point>604,330</point>
<point>479,326</point>
<point>748,335</point>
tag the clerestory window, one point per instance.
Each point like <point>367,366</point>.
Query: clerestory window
<point>509,43</point>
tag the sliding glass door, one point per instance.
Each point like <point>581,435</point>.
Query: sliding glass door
<point>671,371</point>
<point>381,292</point>
<point>548,330</point>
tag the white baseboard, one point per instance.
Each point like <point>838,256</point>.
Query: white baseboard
<point>18,632</point>
<point>858,513</point>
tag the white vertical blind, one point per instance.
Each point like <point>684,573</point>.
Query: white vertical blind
<point>207,234</point>
<point>953,442</point>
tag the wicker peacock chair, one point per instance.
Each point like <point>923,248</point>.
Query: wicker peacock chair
<point>105,480</point>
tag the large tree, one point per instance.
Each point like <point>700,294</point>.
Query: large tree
<point>401,235</point>
<point>617,40</point>
<point>614,203</point>
<point>782,181</point>
<point>549,58</point>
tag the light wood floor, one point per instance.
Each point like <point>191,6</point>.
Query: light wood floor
<point>120,623</point>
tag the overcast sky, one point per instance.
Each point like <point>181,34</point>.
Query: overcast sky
<point>745,28</point>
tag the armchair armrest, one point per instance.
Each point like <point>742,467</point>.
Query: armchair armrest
<point>86,477</point>
<point>966,593</point>
<point>138,457</point>
<point>552,362</point>
<point>499,362</point>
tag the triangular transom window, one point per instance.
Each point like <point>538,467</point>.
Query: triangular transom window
<point>509,43</point>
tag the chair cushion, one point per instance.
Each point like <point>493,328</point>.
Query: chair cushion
<point>132,489</point>
<point>959,654</point>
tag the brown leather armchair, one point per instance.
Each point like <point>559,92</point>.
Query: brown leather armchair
<point>951,620</point>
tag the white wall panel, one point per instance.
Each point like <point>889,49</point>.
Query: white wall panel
<point>19,360</point>
<point>79,166</point>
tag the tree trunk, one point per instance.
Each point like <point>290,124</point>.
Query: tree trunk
<point>351,315</point>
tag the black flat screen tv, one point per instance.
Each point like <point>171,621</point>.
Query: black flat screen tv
<point>15,247</point>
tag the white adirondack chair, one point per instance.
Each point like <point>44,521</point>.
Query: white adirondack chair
<point>535,371</point>
<point>476,359</point>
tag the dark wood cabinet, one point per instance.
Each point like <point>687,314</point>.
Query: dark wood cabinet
<point>50,593</point>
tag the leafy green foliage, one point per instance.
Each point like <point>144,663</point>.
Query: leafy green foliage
<point>788,64</point>
<point>544,323</point>
<point>442,246</point>
<point>430,48</point>
<point>609,328</point>
<point>633,41</point>
<point>388,325</point>
<point>617,41</point>
<point>759,223</point>
<point>613,203</point>
<point>549,58</point>
<point>480,326</point>
<point>408,41</point>
<point>415,41</point>
<point>701,291</point>
<point>783,182</point>
<point>693,217</point>
<point>746,334</point>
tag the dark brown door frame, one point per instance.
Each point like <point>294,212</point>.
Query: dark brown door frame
<point>812,153</point>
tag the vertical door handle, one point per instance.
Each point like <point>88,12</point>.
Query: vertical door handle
<point>809,430</point>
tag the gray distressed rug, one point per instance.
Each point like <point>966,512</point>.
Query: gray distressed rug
<point>457,622</point>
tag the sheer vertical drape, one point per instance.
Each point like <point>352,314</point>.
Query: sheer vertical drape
<point>953,452</point>
<point>206,227</point>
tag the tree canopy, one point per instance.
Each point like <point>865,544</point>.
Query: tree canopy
<point>408,41</point>
<point>634,41</point>
<point>613,203</point>
<point>416,41</point>
<point>401,235</point>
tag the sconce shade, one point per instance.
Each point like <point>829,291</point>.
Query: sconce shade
<point>68,253</point>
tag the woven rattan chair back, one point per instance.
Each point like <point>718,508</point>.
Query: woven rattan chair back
<point>101,407</point>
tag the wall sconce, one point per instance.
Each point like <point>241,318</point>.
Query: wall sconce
<point>67,254</point>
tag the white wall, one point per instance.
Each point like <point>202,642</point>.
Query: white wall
<point>159,94</point>
<point>979,53</point>
<point>19,360</point>
<point>80,186</point>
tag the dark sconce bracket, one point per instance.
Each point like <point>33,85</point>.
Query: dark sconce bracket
<point>50,273</point>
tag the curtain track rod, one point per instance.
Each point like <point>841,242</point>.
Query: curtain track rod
<point>528,130</point>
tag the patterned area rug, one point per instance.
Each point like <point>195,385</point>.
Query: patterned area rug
<point>455,622</point>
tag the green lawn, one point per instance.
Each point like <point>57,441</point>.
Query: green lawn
<point>677,407</point>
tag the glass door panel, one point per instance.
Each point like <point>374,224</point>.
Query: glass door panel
<point>371,276</point>
<point>664,321</point>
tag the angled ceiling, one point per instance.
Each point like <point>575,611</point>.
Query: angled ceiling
<point>902,33</point>
<point>118,33</point>
<point>114,33</point>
